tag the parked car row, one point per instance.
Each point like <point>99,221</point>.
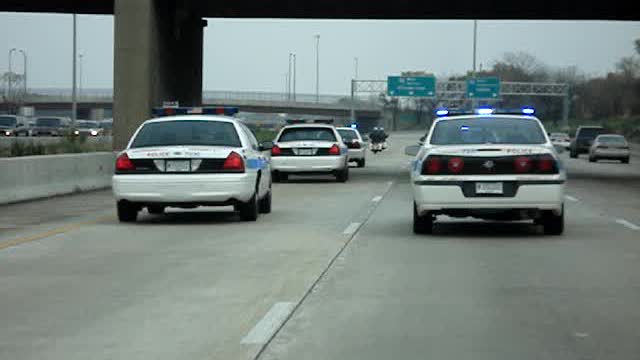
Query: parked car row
<point>15,125</point>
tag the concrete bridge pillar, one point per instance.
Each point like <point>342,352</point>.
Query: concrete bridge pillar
<point>158,57</point>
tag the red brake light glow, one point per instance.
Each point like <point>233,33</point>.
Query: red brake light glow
<point>456,165</point>
<point>334,150</point>
<point>276,151</point>
<point>522,164</point>
<point>546,164</point>
<point>123,163</point>
<point>431,166</point>
<point>234,162</point>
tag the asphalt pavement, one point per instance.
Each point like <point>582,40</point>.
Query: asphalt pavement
<point>334,272</point>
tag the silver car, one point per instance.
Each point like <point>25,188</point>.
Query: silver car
<point>611,147</point>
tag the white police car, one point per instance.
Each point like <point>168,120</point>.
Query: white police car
<point>192,159</point>
<point>308,149</point>
<point>357,149</point>
<point>489,166</point>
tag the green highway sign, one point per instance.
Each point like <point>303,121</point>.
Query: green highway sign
<point>424,86</point>
<point>483,88</point>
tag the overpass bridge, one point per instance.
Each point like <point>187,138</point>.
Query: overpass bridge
<point>255,102</point>
<point>158,43</point>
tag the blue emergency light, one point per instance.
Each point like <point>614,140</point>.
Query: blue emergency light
<point>442,112</point>
<point>172,111</point>
<point>354,126</point>
<point>528,111</point>
<point>484,111</point>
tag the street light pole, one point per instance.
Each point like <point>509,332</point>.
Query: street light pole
<point>289,78</point>
<point>74,100</point>
<point>80,75</point>
<point>356,66</point>
<point>10,79</point>
<point>317,68</point>
<point>294,77</point>
<point>24,70</point>
<point>475,40</point>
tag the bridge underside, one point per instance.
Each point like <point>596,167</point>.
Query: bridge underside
<point>361,9</point>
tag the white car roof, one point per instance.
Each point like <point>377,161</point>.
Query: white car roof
<point>326,126</point>
<point>503,116</point>
<point>193,117</point>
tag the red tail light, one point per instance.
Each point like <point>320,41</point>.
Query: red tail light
<point>455,165</point>
<point>546,164</point>
<point>431,166</point>
<point>334,150</point>
<point>275,150</point>
<point>234,162</point>
<point>522,164</point>
<point>123,163</point>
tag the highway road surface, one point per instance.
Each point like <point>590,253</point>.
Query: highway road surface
<point>334,272</point>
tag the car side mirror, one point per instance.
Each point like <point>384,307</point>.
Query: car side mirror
<point>265,146</point>
<point>412,150</point>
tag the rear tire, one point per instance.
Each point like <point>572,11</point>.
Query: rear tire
<point>343,175</point>
<point>592,159</point>
<point>361,163</point>
<point>265,203</point>
<point>155,209</point>
<point>625,160</point>
<point>127,212</point>
<point>573,154</point>
<point>249,210</point>
<point>422,224</point>
<point>553,224</point>
<point>275,176</point>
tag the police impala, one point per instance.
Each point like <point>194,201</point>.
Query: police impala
<point>489,166</point>
<point>188,157</point>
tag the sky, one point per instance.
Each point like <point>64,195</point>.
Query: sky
<point>252,54</point>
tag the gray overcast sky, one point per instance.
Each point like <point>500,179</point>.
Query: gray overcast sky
<point>251,55</point>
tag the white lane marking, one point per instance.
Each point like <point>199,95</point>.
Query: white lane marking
<point>570,198</point>
<point>377,198</point>
<point>352,228</point>
<point>268,325</point>
<point>627,224</point>
<point>581,335</point>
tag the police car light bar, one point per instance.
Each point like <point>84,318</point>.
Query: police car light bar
<point>528,111</point>
<point>442,112</point>
<point>171,111</point>
<point>307,121</point>
<point>484,111</point>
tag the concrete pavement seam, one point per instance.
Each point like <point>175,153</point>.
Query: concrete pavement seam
<point>323,273</point>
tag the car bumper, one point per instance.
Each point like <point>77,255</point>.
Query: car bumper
<point>539,195</point>
<point>173,188</point>
<point>301,164</point>
<point>611,154</point>
<point>356,154</point>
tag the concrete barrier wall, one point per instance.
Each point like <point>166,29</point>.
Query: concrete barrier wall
<point>33,177</point>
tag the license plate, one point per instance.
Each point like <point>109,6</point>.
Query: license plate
<point>178,166</point>
<point>305,152</point>
<point>489,188</point>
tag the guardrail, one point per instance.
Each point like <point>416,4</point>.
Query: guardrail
<point>34,177</point>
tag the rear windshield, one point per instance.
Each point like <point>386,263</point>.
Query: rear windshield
<point>307,134</point>
<point>590,132</point>
<point>487,130</point>
<point>348,135</point>
<point>187,132</point>
<point>88,125</point>
<point>7,121</point>
<point>48,122</point>
<point>612,140</point>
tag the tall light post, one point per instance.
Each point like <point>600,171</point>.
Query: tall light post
<point>74,100</point>
<point>10,80</point>
<point>24,70</point>
<point>80,75</point>
<point>474,102</point>
<point>355,60</point>
<point>294,77</point>
<point>317,68</point>
<point>289,78</point>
